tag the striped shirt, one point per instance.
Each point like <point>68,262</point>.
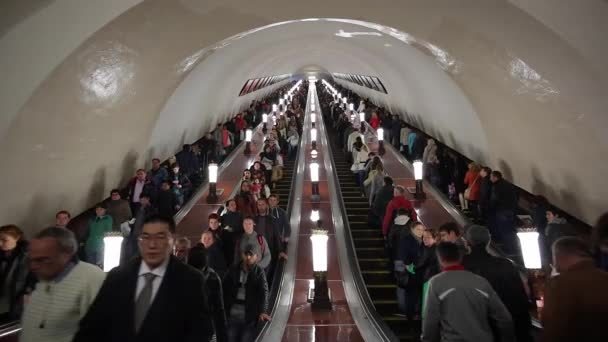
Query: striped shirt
<point>55,307</point>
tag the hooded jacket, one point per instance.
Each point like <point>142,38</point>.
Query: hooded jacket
<point>394,204</point>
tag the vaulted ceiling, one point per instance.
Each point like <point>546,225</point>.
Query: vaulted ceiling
<point>93,90</point>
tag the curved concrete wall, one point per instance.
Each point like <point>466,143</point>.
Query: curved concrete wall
<point>517,90</point>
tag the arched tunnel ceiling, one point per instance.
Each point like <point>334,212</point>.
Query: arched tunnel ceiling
<point>484,76</point>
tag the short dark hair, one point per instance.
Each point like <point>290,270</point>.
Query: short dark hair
<point>249,217</point>
<point>230,200</point>
<point>262,200</point>
<point>497,174</point>
<point>162,219</point>
<point>274,195</point>
<point>114,191</point>
<point>571,246</point>
<point>213,216</point>
<point>449,252</point>
<point>449,227</point>
<point>487,169</point>
<point>197,257</point>
<point>63,212</point>
<point>388,181</point>
<point>156,159</point>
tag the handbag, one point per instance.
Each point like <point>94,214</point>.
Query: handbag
<point>467,191</point>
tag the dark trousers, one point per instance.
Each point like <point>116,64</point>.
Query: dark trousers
<point>241,331</point>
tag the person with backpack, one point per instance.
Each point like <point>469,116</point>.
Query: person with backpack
<point>409,285</point>
<point>250,236</point>
<point>399,229</point>
<point>398,201</point>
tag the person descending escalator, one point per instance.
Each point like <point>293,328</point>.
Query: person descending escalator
<point>408,253</point>
<point>246,295</point>
<point>198,258</point>
<point>504,278</point>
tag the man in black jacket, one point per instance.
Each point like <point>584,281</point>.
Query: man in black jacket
<point>503,202</point>
<point>213,286</point>
<point>152,298</point>
<point>246,296</point>
<point>383,197</point>
<point>485,193</point>
<point>504,278</point>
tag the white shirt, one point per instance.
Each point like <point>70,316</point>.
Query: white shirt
<point>139,187</point>
<point>141,280</point>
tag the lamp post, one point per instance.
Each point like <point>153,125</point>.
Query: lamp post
<point>530,250</point>
<point>313,138</point>
<point>314,154</point>
<point>314,178</point>
<point>351,107</point>
<point>212,197</point>
<point>380,134</point>
<point>313,107</point>
<point>274,108</point>
<point>313,118</point>
<point>418,176</point>
<point>112,247</point>
<point>264,122</point>
<point>320,295</point>
<point>248,136</point>
<point>362,121</point>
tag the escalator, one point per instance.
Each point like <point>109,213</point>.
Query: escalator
<point>369,246</point>
<point>283,187</point>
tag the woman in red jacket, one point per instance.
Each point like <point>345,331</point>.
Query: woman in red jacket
<point>399,201</point>
<point>374,121</point>
<point>472,180</point>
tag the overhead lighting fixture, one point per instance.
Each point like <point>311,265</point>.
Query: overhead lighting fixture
<point>212,197</point>
<point>419,176</point>
<point>530,250</point>
<point>112,248</point>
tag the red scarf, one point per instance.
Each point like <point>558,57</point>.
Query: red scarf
<point>454,268</point>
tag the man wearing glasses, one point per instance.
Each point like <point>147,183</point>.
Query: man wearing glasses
<point>65,290</point>
<point>152,298</point>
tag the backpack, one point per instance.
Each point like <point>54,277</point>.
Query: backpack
<point>260,241</point>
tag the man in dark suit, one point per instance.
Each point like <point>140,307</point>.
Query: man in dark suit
<point>152,298</point>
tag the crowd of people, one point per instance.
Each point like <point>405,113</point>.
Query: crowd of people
<point>168,288</point>
<point>55,284</point>
<point>445,275</point>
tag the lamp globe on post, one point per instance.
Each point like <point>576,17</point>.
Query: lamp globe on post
<point>112,248</point>
<point>314,178</point>
<point>314,154</point>
<point>212,197</point>
<point>248,136</point>
<point>313,118</point>
<point>362,122</point>
<point>380,134</point>
<point>264,123</point>
<point>320,295</point>
<point>530,249</point>
<point>418,176</point>
<point>313,138</point>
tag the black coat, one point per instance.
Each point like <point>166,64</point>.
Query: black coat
<point>213,287</point>
<point>256,292</point>
<point>485,192</point>
<point>179,311</point>
<point>15,275</point>
<point>166,203</point>
<point>505,280</point>
<point>504,196</point>
<point>428,265</point>
<point>383,197</point>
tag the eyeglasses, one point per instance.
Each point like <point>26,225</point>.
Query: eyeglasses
<point>157,238</point>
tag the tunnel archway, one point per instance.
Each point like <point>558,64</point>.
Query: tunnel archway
<point>478,87</point>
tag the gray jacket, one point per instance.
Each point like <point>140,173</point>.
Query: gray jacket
<point>462,307</point>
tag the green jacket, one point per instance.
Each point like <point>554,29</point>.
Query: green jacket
<point>98,227</point>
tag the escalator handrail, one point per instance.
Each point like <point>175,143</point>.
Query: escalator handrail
<point>373,317</point>
<point>204,187</point>
<point>281,292</point>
